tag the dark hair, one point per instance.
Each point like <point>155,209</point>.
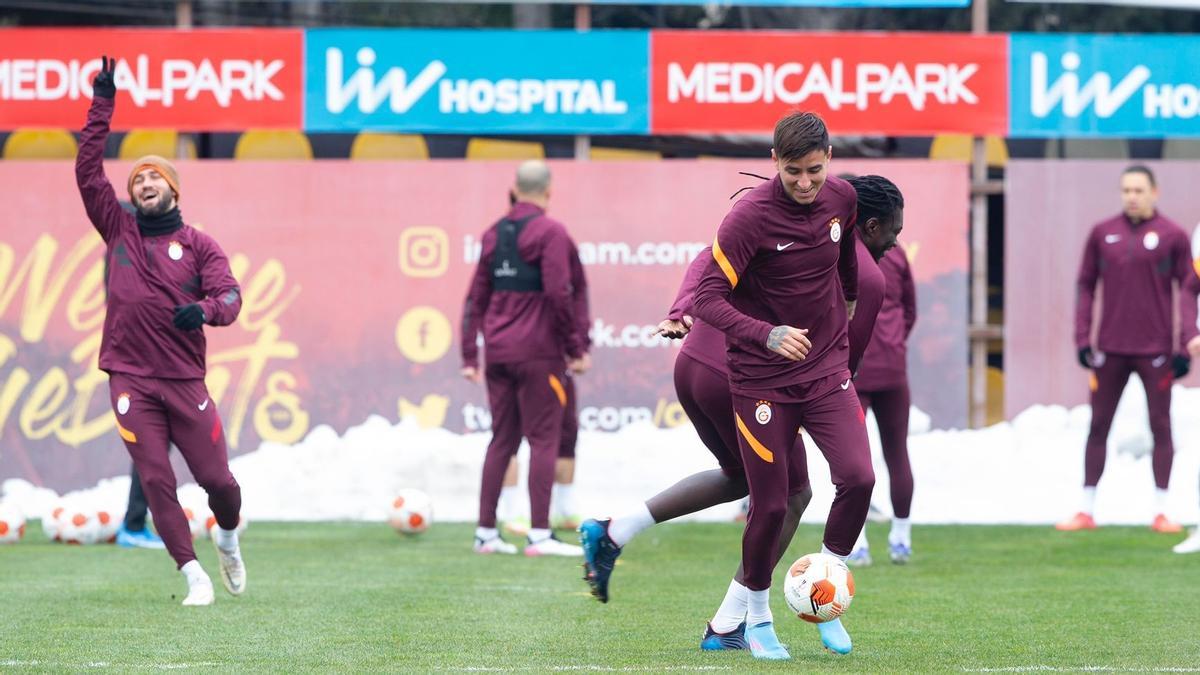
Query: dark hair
<point>1142,169</point>
<point>798,134</point>
<point>878,197</point>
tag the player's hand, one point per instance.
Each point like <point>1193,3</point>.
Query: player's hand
<point>188,317</point>
<point>672,329</point>
<point>1086,358</point>
<point>472,374</point>
<point>850,307</point>
<point>1181,364</point>
<point>1193,347</point>
<point>580,365</point>
<point>790,343</point>
<point>103,84</point>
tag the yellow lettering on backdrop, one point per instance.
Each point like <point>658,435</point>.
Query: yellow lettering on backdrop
<point>46,410</point>
<point>41,293</point>
<point>16,381</point>
<point>264,417</point>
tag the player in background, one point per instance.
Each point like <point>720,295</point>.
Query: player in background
<point>166,280</point>
<point>563,513</point>
<point>1139,257</point>
<point>520,297</point>
<point>882,383</point>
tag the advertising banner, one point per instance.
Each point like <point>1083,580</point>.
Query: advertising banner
<point>1105,85</point>
<point>203,80</point>
<point>457,81</point>
<point>353,277</point>
<point>861,83</point>
<point>1050,208</point>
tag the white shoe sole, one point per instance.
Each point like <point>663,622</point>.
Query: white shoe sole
<point>199,596</point>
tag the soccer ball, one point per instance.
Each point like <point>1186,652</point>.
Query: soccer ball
<point>109,523</point>
<point>79,526</point>
<point>411,512</point>
<point>818,588</point>
<point>52,523</point>
<point>12,525</point>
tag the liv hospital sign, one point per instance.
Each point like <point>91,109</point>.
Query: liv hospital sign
<point>1104,85</point>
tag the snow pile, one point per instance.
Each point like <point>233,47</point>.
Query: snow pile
<point>1028,470</point>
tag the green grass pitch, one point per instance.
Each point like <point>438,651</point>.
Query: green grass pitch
<point>356,597</point>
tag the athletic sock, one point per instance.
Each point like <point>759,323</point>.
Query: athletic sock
<point>732,611</point>
<point>227,540</point>
<point>563,499</point>
<point>758,607</point>
<point>194,573</point>
<point>1089,500</point>
<point>826,551</point>
<point>623,529</point>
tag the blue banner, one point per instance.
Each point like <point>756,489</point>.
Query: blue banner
<point>477,81</point>
<point>1105,85</point>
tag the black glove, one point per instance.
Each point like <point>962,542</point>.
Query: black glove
<point>1181,364</point>
<point>103,84</point>
<point>189,317</point>
<point>1085,358</point>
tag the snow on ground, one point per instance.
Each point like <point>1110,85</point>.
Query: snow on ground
<point>1028,470</point>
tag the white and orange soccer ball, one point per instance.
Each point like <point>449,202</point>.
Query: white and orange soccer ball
<point>52,522</point>
<point>78,525</point>
<point>109,522</point>
<point>818,588</point>
<point>411,512</point>
<point>12,524</point>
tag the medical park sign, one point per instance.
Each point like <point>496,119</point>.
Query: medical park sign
<point>1105,85</point>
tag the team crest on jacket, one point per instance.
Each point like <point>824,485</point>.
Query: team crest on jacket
<point>1150,241</point>
<point>175,250</point>
<point>835,230</point>
<point>762,412</point>
<point>123,403</point>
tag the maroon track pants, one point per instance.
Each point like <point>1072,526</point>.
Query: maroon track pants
<point>152,413</point>
<point>1110,379</point>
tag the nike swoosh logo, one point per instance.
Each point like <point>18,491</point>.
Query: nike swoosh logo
<point>846,385</point>
<point>1158,361</point>
<point>1112,238</point>
<point>780,247</point>
<point>204,406</point>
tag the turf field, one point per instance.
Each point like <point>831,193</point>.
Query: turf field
<point>358,598</point>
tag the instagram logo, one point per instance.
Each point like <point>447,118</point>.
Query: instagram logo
<point>424,252</point>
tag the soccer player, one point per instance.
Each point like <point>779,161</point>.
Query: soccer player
<point>166,280</point>
<point>702,383</point>
<point>882,383</point>
<point>520,298</point>
<point>1139,256</point>
<point>562,499</point>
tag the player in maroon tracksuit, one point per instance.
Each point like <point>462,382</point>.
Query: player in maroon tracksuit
<point>1139,256</point>
<point>520,297</point>
<point>562,501</point>
<point>882,383</point>
<point>166,280</point>
<point>1192,290</point>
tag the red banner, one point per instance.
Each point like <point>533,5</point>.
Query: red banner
<point>205,80</point>
<point>353,276</point>
<point>861,83</point>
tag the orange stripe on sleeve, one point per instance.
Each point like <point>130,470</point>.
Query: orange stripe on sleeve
<point>759,449</point>
<point>557,386</point>
<point>724,264</point>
